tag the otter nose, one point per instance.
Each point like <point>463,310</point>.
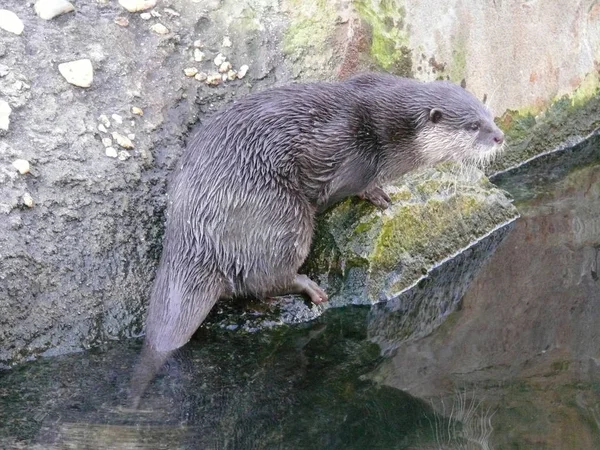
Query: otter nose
<point>499,137</point>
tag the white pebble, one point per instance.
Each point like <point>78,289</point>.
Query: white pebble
<point>137,5</point>
<point>28,200</point>
<point>198,55</point>
<point>198,44</point>
<point>124,155</point>
<point>122,140</point>
<point>146,16</point>
<point>5,112</point>
<point>213,79</point>
<point>111,152</point>
<point>220,59</point>
<point>231,75</point>
<point>131,136</point>
<point>190,71</point>
<point>104,120</point>
<point>242,72</point>
<point>49,9</point>
<point>201,76</point>
<point>10,22</point>
<point>225,67</point>
<point>172,12</point>
<point>159,28</point>
<point>226,42</point>
<point>117,118</point>
<point>79,73</point>
<point>155,13</point>
<point>107,142</point>
<point>102,128</point>
<point>137,111</point>
<point>22,165</point>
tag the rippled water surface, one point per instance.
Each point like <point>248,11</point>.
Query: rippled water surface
<point>515,366</point>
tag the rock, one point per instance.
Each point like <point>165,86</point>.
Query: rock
<point>137,5</point>
<point>79,73</point>
<point>28,200</point>
<point>123,141</point>
<point>231,75</point>
<point>225,67</point>
<point>201,76</point>
<point>137,111</point>
<point>49,9</point>
<point>111,152</point>
<point>213,79</point>
<point>10,22</point>
<point>198,55</point>
<point>124,155</point>
<point>146,16</point>
<point>117,118</point>
<point>3,70</point>
<point>159,28</point>
<point>122,21</point>
<point>22,165</point>
<point>226,42</point>
<point>102,128</point>
<point>220,59</point>
<point>5,111</point>
<point>155,13</point>
<point>242,72</point>
<point>172,12</point>
<point>190,71</point>
<point>107,142</point>
<point>103,119</point>
<point>131,136</point>
<point>198,43</point>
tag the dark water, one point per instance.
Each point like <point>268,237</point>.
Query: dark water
<point>515,365</point>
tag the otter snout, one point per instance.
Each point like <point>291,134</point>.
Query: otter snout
<point>498,137</point>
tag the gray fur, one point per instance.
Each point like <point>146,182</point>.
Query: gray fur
<point>244,196</point>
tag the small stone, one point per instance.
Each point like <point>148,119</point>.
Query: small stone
<point>242,72</point>
<point>201,76</point>
<point>102,128</point>
<point>155,13</point>
<point>172,12</point>
<point>224,77</point>
<point>107,142</point>
<point>124,155</point>
<point>111,152</point>
<point>103,119</point>
<point>117,118</point>
<point>122,140</point>
<point>146,16</point>
<point>226,42</point>
<point>28,200</point>
<point>231,75</point>
<point>5,111</point>
<point>121,21</point>
<point>220,59</point>
<point>159,28</point>
<point>3,70</point>
<point>213,79</point>
<point>198,44</point>
<point>10,22</point>
<point>79,73</point>
<point>22,165</point>
<point>137,111</point>
<point>137,5</point>
<point>131,136</point>
<point>198,55</point>
<point>190,71</point>
<point>225,67</point>
<point>49,9</point>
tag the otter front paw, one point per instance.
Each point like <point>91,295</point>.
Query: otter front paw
<point>377,196</point>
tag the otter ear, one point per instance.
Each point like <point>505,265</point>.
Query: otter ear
<point>435,115</point>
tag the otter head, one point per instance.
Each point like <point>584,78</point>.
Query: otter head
<point>456,126</point>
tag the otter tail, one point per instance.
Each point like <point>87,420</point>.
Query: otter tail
<point>177,308</point>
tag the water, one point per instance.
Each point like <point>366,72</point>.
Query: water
<point>516,365</point>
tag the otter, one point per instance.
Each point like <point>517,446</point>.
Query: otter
<point>243,198</point>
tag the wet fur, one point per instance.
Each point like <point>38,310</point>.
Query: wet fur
<point>243,198</point>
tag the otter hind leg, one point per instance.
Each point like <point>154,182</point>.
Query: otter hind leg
<point>305,286</point>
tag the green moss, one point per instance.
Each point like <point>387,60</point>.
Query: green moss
<point>312,22</point>
<point>401,196</point>
<point>390,46</point>
<point>429,187</point>
<point>458,67</point>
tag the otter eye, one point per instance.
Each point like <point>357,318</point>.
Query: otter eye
<point>435,115</point>
<point>474,126</point>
